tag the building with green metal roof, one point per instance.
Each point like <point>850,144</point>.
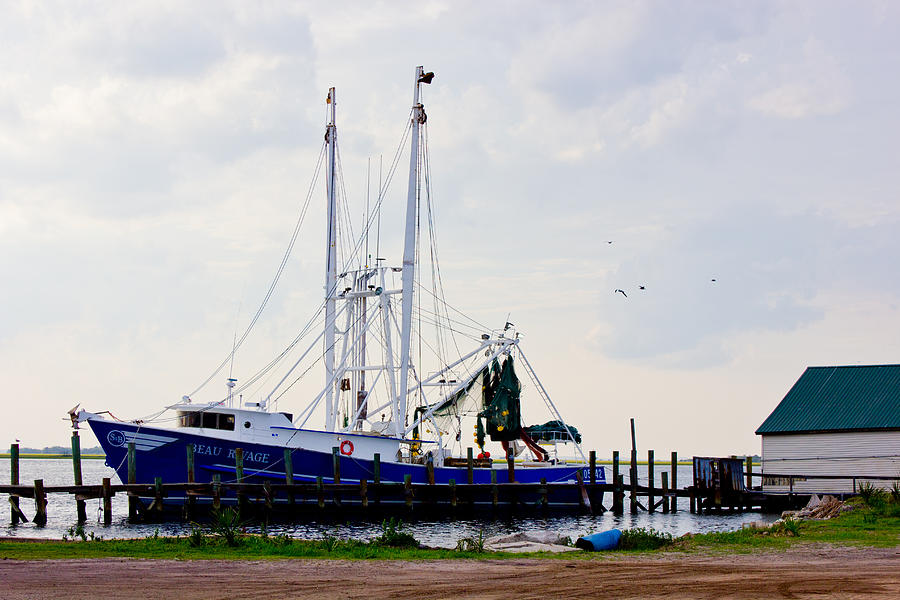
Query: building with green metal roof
<point>840,423</point>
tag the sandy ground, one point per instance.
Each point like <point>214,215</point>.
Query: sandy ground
<point>808,572</point>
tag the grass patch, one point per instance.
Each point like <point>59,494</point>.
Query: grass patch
<point>642,539</point>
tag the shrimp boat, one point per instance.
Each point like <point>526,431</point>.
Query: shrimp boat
<point>377,405</point>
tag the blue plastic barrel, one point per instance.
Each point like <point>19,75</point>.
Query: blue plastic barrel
<point>605,540</point>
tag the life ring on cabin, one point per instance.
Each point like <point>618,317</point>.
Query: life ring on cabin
<point>347,448</point>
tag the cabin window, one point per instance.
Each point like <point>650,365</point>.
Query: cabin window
<point>188,419</point>
<point>206,419</point>
<point>210,420</point>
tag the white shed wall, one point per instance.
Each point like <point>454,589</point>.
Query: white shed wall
<point>855,454</point>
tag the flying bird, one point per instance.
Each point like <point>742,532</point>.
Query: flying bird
<point>713,280</point>
<point>640,287</point>
<point>609,241</point>
<point>622,292</point>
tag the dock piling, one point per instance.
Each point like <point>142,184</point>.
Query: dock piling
<point>16,512</point>
<point>665,492</point>
<point>40,503</point>
<point>407,490</point>
<point>651,497</point>
<point>673,501</point>
<point>217,491</point>
<point>592,462</point>
<point>76,467</point>
<point>510,466</point>
<point>495,491</point>
<point>289,473</point>
<point>191,500</point>
<point>470,466</point>
<point>107,502</point>
<point>132,478</point>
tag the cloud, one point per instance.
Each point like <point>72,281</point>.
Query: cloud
<point>814,85</point>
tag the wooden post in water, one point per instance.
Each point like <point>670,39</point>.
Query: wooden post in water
<point>582,496</point>
<point>617,484</point>
<point>650,482</point>
<point>470,466</point>
<point>592,462</point>
<point>364,492</point>
<point>376,468</point>
<point>407,490</point>
<point>107,502</point>
<point>376,476</point>
<point>615,466</point>
<point>239,465</point>
<point>216,490</point>
<point>619,495</point>
<point>429,468</point>
<point>543,492</point>
<point>510,466</point>
<point>269,498</point>
<point>132,478</point>
<point>157,494</point>
<point>749,461</point>
<point>673,501</point>
<point>320,492</point>
<point>76,467</point>
<point>191,499</point>
<point>495,491</point>
<point>452,484</point>
<point>16,515</point>
<point>289,473</point>
<point>336,476</point>
<point>336,464</point>
<point>633,473</point>
<point>665,492</point>
<point>239,477</point>
<point>40,503</point>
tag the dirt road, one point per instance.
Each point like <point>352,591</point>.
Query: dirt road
<point>809,572</point>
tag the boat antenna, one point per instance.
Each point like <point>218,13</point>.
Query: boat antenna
<point>378,208</point>
<point>368,170</point>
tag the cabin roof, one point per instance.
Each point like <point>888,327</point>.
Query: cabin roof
<point>839,398</point>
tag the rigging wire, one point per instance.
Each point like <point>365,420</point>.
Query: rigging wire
<point>382,192</point>
<point>275,280</point>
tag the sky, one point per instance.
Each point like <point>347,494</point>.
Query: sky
<point>741,157</point>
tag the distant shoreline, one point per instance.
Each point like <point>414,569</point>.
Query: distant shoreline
<point>86,456</point>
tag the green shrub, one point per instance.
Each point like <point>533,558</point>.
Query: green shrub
<point>471,543</point>
<point>788,526</point>
<point>871,495</point>
<point>393,537</point>
<point>227,524</point>
<point>640,538</point>
<point>895,492</point>
<point>196,538</point>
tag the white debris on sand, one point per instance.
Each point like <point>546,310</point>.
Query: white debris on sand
<point>530,541</point>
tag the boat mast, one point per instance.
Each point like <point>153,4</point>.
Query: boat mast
<point>409,250</point>
<point>330,265</point>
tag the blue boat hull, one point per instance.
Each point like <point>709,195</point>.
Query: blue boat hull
<point>163,453</point>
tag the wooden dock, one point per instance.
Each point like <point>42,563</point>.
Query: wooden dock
<point>194,500</point>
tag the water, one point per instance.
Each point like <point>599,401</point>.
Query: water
<point>61,514</point>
